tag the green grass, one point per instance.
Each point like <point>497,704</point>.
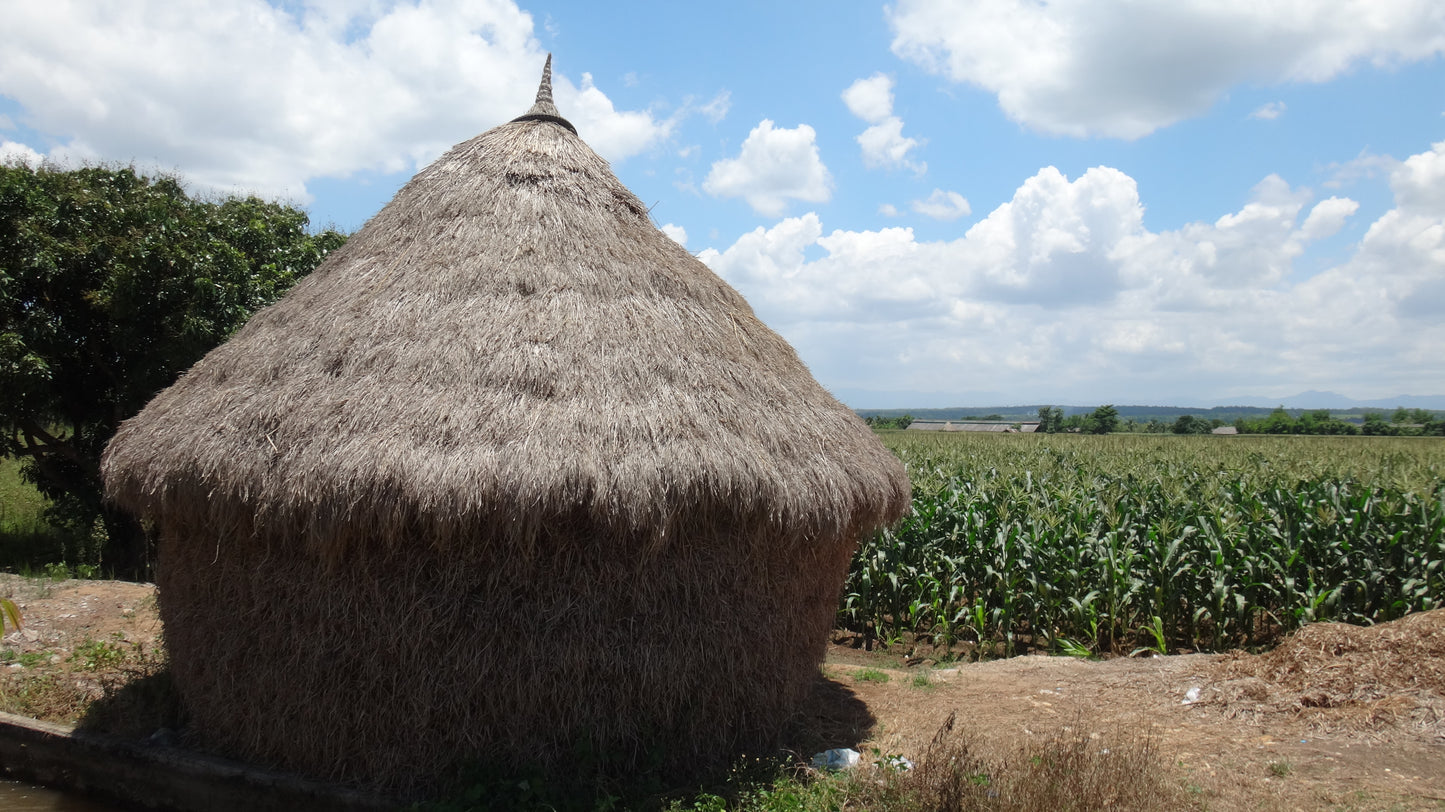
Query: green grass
<point>1082,544</point>
<point>19,501</point>
<point>29,543</point>
<point>97,655</point>
<point>28,659</point>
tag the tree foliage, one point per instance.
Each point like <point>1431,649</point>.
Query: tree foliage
<point>1317,421</point>
<point>1102,420</point>
<point>111,285</point>
<point>879,422</point>
<point>1051,419</point>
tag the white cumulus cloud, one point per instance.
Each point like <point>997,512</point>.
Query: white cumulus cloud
<point>870,99</point>
<point>1062,292</point>
<point>1124,69</point>
<point>943,205</point>
<point>609,131</point>
<point>12,152</point>
<point>325,89</point>
<point>883,143</point>
<point>717,109</point>
<point>1327,217</point>
<point>1269,111</point>
<point>774,166</point>
<point>677,233</point>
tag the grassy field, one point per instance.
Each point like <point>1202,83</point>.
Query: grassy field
<point>1087,545</point>
<point>28,543</point>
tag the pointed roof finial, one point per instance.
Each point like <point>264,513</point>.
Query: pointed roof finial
<point>544,109</point>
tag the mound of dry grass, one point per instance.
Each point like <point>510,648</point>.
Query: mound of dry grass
<point>1343,676</point>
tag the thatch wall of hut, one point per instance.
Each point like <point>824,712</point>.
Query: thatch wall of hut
<point>395,669</point>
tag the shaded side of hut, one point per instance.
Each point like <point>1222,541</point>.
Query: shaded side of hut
<point>511,474</point>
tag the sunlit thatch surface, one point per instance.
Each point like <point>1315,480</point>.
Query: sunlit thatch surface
<point>511,472</point>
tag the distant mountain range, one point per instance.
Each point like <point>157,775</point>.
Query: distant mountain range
<point>1333,400</point>
<point>874,402</point>
<point>1222,410</point>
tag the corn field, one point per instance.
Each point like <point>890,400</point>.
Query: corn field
<point>1081,544</point>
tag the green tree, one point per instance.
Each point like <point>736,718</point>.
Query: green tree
<point>1051,419</point>
<point>1189,424</point>
<point>111,285</point>
<point>1103,420</point>
<point>1279,422</point>
<point>1376,426</point>
<point>900,422</point>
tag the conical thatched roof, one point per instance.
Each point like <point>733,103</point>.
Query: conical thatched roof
<point>509,344</point>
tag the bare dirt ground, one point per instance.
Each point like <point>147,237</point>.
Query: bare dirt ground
<point>1337,717</point>
<point>78,638</point>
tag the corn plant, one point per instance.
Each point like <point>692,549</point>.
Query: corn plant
<point>1113,544</point>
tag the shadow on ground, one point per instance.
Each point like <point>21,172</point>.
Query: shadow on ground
<point>832,716</point>
<point>140,708</point>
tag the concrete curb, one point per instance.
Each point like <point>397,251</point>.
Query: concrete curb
<point>161,778</point>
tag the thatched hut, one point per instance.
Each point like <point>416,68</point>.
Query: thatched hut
<point>510,474</point>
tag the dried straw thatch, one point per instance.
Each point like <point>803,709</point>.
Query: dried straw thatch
<point>1342,677</point>
<point>509,474</point>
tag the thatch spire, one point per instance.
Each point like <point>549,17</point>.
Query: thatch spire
<point>544,109</point>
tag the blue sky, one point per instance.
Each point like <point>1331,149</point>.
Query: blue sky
<point>967,203</point>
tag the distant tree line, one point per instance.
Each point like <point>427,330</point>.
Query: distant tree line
<point>1102,420</point>
<point>1403,423</point>
<point>900,422</point>
<point>1106,419</point>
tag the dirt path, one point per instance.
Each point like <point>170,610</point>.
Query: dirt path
<point>1337,718</point>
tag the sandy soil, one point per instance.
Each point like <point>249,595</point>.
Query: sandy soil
<point>1336,718</point>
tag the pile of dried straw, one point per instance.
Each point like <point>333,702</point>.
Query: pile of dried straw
<point>511,474</point>
<point>1347,677</point>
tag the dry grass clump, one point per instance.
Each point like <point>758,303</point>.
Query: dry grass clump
<point>1348,677</point>
<point>1066,770</point>
<point>53,696</point>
